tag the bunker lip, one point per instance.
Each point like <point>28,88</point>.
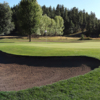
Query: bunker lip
<point>23,72</point>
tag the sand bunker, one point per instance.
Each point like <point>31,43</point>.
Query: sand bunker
<point>18,72</point>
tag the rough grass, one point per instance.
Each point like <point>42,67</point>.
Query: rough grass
<point>83,87</point>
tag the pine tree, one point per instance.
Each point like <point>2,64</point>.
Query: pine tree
<point>14,19</point>
<point>53,13</point>
<point>65,15</point>
<point>58,13</point>
<point>62,11</point>
<point>47,12</point>
<point>50,12</point>
<point>44,9</point>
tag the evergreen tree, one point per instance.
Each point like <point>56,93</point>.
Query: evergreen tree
<point>50,12</point>
<point>65,15</point>
<point>89,26</point>
<point>62,11</point>
<point>75,16</point>
<point>53,13</point>
<point>58,13</point>
<point>14,19</point>
<point>80,21</point>
<point>84,17</point>
<point>44,9</point>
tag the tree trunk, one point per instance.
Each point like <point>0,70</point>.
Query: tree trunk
<point>29,38</point>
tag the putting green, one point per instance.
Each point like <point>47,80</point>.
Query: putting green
<point>91,49</point>
<point>64,45</point>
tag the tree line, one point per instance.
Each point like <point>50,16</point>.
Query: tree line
<point>74,19</point>
<point>28,18</point>
<point>53,26</point>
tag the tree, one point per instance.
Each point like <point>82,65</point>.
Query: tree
<point>41,28</point>
<point>44,9</point>
<point>81,21</point>
<point>44,24</point>
<point>46,21</point>
<point>14,19</point>
<point>74,20</point>
<point>53,13</point>
<point>50,12</point>
<point>58,13</point>
<point>62,11</point>
<point>89,27</point>
<point>71,28</point>
<point>84,17</point>
<point>59,25</point>
<point>52,27</point>
<point>29,16</point>
<point>66,15</point>
<point>6,24</point>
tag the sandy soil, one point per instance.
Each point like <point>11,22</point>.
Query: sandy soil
<point>18,72</point>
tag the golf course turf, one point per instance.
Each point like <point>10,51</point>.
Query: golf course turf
<point>39,64</point>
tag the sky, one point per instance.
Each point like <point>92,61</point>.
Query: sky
<point>88,5</point>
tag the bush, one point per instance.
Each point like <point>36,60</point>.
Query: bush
<point>82,36</point>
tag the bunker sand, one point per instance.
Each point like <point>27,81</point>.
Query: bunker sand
<point>23,72</point>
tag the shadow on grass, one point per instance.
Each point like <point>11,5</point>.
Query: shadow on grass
<point>68,61</point>
<point>7,42</point>
<point>1,38</point>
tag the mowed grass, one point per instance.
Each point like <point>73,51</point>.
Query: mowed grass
<point>91,49</point>
<point>83,87</point>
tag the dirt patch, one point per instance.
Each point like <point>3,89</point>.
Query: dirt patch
<point>22,72</point>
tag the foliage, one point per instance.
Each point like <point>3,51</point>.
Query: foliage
<point>59,25</point>
<point>6,24</point>
<point>29,15</point>
<point>82,36</point>
<point>53,26</point>
<point>80,19</point>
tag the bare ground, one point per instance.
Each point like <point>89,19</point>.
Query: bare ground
<point>22,72</point>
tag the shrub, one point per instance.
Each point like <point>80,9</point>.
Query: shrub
<point>82,36</point>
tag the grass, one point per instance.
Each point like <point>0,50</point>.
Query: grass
<point>80,48</point>
<point>83,87</point>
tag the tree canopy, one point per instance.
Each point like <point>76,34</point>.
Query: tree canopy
<point>29,16</point>
<point>74,19</point>
<point>6,24</point>
<point>29,19</point>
